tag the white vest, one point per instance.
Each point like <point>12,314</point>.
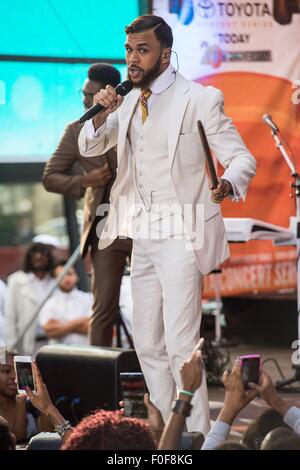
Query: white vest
<point>153,187</point>
<point>149,142</point>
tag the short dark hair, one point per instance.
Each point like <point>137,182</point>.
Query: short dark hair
<point>37,248</point>
<point>281,439</point>
<point>110,430</point>
<point>162,30</point>
<point>60,263</point>
<point>105,74</point>
<point>257,430</point>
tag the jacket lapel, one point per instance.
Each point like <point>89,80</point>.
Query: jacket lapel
<point>125,115</point>
<point>180,101</point>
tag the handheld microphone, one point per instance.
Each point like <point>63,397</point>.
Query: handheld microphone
<point>268,120</point>
<point>121,89</point>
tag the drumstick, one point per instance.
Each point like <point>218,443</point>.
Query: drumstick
<point>210,163</point>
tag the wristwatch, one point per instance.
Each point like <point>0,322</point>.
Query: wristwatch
<point>182,407</point>
<point>62,428</point>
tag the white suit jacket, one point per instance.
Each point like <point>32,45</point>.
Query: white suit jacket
<point>192,102</point>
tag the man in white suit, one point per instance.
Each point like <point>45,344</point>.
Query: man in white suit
<point>161,164</point>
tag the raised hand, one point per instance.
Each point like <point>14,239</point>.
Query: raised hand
<point>191,372</point>
<point>40,398</point>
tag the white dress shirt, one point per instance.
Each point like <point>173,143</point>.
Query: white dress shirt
<point>292,419</point>
<point>40,287</point>
<point>217,435</point>
<point>65,307</point>
<point>160,84</point>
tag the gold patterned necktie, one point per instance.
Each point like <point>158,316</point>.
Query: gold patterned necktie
<point>144,105</point>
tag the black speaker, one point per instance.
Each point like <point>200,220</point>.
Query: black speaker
<point>84,378</point>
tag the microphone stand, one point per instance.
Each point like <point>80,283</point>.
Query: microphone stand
<point>296,191</point>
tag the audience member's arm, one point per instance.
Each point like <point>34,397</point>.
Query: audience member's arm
<point>41,400</point>
<point>57,329</point>
<point>57,177</point>
<point>191,377</point>
<point>288,409</point>
<point>292,419</point>
<point>155,419</point>
<point>236,398</point>
<point>219,433</point>
<point>19,425</point>
<point>83,325</point>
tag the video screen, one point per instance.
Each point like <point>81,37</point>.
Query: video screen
<point>133,390</point>
<point>24,375</point>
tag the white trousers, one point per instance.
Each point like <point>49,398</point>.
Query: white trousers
<point>166,292</point>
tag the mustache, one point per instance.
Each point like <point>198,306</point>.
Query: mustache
<point>135,67</point>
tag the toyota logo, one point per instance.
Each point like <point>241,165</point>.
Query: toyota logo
<point>206,8</point>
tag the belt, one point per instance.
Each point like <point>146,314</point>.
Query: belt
<point>147,198</point>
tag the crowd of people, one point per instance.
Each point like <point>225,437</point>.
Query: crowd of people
<point>277,428</point>
<point>63,318</point>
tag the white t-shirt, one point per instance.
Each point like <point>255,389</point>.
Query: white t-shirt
<point>65,307</point>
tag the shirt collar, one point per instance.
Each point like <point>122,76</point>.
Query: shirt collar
<point>71,292</point>
<point>33,277</point>
<point>163,81</point>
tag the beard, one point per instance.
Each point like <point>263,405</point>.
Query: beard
<point>42,266</point>
<point>148,76</point>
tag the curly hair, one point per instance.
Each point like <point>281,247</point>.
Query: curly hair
<point>110,430</point>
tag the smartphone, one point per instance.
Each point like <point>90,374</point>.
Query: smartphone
<point>250,366</point>
<point>24,373</point>
<point>133,389</point>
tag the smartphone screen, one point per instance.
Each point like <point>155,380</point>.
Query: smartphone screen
<point>24,375</point>
<point>250,369</point>
<point>133,390</point>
